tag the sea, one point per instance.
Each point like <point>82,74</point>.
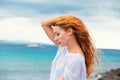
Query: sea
<point>32,61</point>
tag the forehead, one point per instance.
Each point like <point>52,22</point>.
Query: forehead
<point>56,29</point>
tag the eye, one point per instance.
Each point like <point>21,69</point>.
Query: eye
<point>57,34</point>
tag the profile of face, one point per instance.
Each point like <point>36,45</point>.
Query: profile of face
<point>62,36</point>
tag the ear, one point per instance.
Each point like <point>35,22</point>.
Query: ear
<point>69,31</point>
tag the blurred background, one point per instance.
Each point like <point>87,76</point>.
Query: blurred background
<point>26,53</point>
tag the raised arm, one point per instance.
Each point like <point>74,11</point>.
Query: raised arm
<point>47,26</point>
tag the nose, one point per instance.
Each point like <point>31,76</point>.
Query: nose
<point>56,39</point>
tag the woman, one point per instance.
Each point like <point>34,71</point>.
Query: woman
<point>76,53</point>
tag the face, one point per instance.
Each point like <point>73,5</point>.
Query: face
<point>61,36</point>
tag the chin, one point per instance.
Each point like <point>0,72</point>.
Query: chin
<point>62,45</point>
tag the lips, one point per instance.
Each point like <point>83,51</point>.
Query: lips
<point>59,42</point>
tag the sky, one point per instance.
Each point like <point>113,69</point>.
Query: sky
<point>20,19</point>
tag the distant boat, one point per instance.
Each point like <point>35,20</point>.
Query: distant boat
<point>33,45</point>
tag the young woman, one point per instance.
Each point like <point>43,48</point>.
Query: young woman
<point>76,52</point>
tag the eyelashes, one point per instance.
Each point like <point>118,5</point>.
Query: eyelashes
<point>57,34</point>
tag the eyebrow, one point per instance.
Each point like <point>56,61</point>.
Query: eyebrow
<point>55,32</point>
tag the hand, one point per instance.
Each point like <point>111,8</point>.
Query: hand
<point>61,78</point>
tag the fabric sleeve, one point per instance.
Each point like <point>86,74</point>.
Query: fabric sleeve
<point>72,69</point>
<point>62,49</point>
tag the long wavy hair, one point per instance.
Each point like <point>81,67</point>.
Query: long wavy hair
<point>82,36</point>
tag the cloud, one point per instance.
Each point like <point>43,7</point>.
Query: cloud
<point>29,29</point>
<point>22,29</point>
<point>19,19</point>
<point>38,7</point>
<point>107,39</point>
<point>31,9</point>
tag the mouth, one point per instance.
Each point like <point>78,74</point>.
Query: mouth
<point>59,42</point>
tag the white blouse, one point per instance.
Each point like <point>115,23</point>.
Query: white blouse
<point>71,66</point>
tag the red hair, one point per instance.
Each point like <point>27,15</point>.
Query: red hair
<point>82,36</point>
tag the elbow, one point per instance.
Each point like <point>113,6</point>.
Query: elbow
<point>45,22</point>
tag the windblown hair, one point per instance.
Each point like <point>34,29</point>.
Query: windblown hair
<point>82,36</point>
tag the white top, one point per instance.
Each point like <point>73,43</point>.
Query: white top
<point>71,66</point>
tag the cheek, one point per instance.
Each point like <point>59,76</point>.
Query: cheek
<point>65,39</point>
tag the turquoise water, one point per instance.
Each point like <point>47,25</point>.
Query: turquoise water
<point>20,62</point>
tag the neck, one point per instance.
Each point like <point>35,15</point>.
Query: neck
<point>73,46</point>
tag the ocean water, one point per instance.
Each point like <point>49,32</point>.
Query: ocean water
<point>33,61</point>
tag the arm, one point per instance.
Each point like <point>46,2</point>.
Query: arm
<point>46,25</point>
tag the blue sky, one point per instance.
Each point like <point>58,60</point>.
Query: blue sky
<point>20,19</point>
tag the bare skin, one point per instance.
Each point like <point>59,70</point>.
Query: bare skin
<point>46,24</point>
<point>64,38</point>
